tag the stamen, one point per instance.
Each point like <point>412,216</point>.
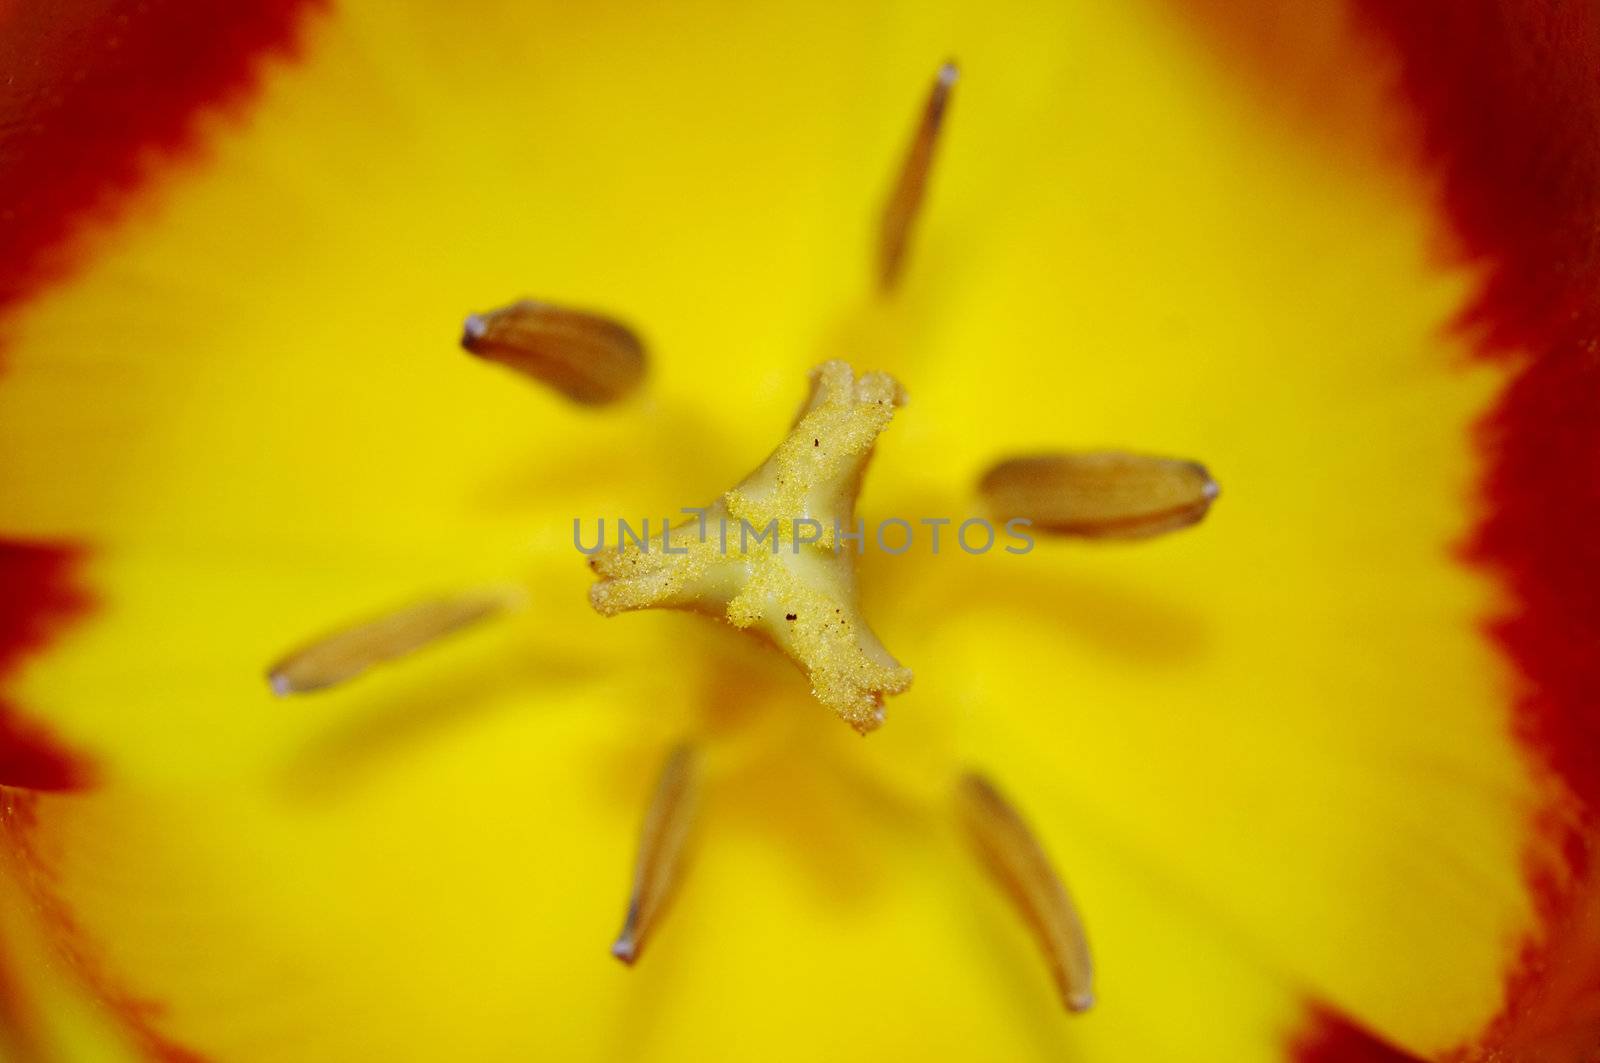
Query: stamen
<point>763,574</point>
<point>345,654</point>
<point>900,214</point>
<point>1105,495</point>
<point>1020,866</point>
<point>661,844</point>
<point>590,359</point>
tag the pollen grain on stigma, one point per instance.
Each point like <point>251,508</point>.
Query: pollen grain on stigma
<point>802,597</point>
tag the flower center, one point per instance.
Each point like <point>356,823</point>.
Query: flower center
<point>771,556</point>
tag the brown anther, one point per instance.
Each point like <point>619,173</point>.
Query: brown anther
<point>345,654</point>
<point>1019,865</point>
<point>588,358</point>
<point>1102,495</point>
<point>905,202</point>
<point>661,847</point>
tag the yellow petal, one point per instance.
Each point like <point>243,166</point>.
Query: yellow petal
<point>1270,754</point>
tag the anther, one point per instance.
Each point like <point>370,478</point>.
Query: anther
<point>772,548</point>
<point>345,654</point>
<point>900,213</point>
<point>1019,865</point>
<point>661,846</point>
<point>1104,495</point>
<point>588,358</point>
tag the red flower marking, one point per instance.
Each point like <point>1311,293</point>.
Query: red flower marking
<point>1328,1038</point>
<point>39,597</point>
<point>36,597</point>
<point>1504,103</point>
<point>93,88</point>
<point>1507,98</point>
<point>138,1016</point>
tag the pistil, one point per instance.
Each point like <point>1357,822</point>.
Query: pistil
<point>771,555</point>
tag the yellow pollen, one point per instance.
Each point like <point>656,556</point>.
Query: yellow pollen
<point>772,556</point>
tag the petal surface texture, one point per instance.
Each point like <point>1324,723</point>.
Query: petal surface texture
<point>1272,753</point>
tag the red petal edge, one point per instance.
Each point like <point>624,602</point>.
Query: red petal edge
<point>1330,1038</point>
<point>94,90</point>
<point>40,596</point>
<point>1503,99</point>
<point>1506,94</point>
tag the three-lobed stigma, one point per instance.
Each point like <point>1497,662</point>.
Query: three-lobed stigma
<point>766,556</point>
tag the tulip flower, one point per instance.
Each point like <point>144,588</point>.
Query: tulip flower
<point>325,735</point>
